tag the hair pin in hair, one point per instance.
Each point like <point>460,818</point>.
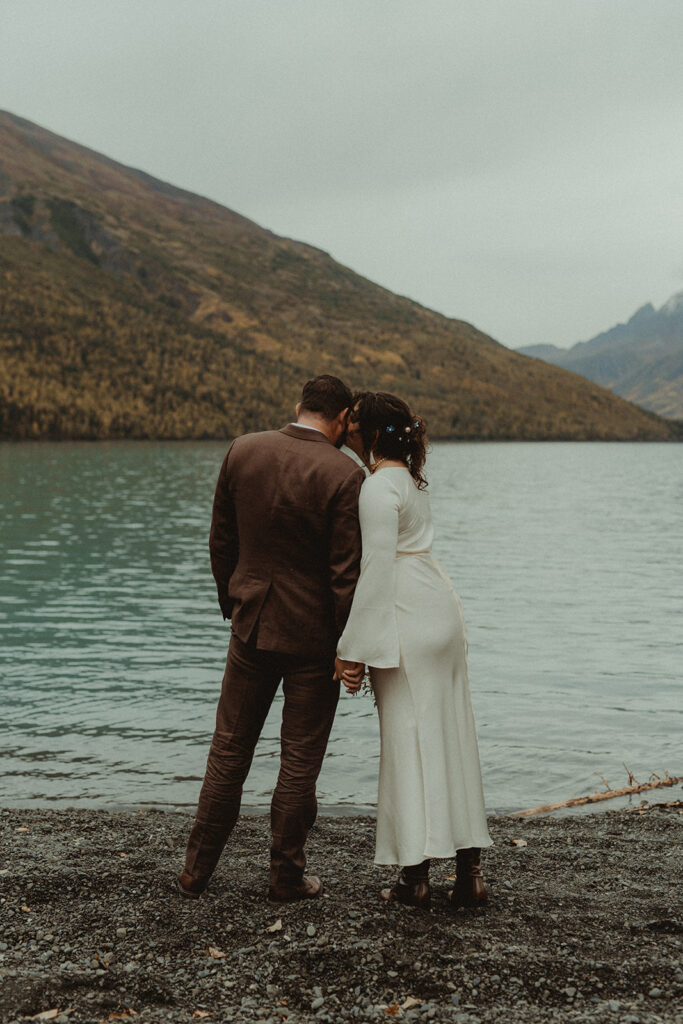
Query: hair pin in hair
<point>390,429</point>
<point>416,424</point>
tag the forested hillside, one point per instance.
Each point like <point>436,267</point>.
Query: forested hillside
<point>132,309</point>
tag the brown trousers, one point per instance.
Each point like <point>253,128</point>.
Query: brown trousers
<point>249,685</point>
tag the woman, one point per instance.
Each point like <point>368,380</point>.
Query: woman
<point>406,624</point>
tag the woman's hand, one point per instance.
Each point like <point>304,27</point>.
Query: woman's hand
<point>350,673</point>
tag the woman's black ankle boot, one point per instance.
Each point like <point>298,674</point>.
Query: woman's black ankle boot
<point>411,887</point>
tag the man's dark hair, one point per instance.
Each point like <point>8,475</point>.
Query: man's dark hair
<point>326,396</point>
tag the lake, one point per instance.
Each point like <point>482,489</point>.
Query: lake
<point>568,558</point>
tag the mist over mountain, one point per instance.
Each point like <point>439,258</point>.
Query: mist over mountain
<point>642,360</point>
<point>130,308</point>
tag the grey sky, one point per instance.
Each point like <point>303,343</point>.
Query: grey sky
<point>514,163</point>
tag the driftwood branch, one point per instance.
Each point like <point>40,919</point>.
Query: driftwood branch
<point>594,798</point>
<point>607,785</point>
<point>652,807</point>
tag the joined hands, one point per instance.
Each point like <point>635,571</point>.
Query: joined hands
<point>350,673</point>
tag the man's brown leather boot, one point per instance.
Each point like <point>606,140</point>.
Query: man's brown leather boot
<point>309,888</point>
<point>469,889</point>
<point>188,887</point>
<point>411,887</point>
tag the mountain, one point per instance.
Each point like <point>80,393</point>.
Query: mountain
<point>642,360</point>
<point>130,308</point>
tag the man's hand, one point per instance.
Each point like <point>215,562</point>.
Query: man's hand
<point>350,673</point>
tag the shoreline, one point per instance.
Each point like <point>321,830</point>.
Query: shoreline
<point>584,923</point>
<point>630,802</point>
<point>675,438</point>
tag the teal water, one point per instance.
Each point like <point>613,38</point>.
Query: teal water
<point>568,558</point>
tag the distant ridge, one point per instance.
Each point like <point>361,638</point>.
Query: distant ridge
<point>130,308</point>
<point>642,360</point>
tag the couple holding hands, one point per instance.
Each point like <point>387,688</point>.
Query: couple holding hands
<point>324,568</point>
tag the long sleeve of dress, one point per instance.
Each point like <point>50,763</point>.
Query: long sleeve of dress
<point>371,634</point>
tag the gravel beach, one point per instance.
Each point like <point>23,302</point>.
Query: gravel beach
<point>584,924</point>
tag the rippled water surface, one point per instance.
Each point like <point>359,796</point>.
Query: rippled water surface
<point>568,557</point>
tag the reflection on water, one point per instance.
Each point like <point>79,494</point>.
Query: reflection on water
<point>567,556</point>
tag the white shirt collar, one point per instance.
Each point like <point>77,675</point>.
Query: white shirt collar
<point>305,426</point>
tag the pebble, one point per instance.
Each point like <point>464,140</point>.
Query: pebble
<point>310,931</point>
<point>317,1003</point>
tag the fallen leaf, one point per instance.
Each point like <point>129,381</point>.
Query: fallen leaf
<point>123,855</point>
<point>46,1015</point>
<point>276,926</point>
<point>27,910</point>
<point>409,1003</point>
<point>25,828</point>
<point>217,954</point>
<point>392,1010</point>
<point>201,1013</point>
<point>450,878</point>
<point>518,842</point>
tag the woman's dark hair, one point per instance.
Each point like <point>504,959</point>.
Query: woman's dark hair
<point>400,433</point>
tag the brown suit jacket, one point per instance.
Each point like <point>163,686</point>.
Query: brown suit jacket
<point>285,539</point>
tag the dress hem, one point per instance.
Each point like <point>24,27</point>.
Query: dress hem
<point>478,845</point>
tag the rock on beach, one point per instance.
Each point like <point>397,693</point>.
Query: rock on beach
<point>584,923</point>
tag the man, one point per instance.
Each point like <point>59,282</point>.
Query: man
<point>285,554</point>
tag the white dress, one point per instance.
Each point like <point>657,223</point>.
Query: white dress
<point>407,624</point>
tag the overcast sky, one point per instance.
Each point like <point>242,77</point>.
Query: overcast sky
<point>514,163</point>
